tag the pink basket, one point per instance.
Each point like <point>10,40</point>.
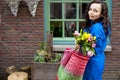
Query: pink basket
<point>66,56</point>
<point>76,64</point>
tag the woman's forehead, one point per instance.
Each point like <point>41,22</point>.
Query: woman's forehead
<point>96,6</point>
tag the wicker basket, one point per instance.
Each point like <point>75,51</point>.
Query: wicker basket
<point>66,56</point>
<point>76,65</point>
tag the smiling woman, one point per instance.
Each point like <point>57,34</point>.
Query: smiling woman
<point>98,24</point>
<point>90,42</point>
<point>94,11</point>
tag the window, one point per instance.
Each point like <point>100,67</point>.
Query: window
<point>66,16</point>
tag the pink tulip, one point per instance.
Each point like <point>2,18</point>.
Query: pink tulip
<point>89,54</point>
<point>90,38</point>
<point>93,45</point>
<point>76,33</point>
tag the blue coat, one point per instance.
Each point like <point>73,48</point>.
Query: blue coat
<point>95,65</point>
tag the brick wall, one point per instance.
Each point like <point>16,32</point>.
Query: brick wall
<point>19,35</point>
<point>112,68</point>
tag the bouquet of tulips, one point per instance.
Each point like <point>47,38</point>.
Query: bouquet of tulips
<point>86,42</point>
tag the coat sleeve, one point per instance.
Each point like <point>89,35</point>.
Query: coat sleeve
<point>97,30</point>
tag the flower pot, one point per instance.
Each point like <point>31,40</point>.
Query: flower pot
<point>44,71</point>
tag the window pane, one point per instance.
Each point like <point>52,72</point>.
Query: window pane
<point>56,28</point>
<point>70,27</point>
<point>56,0</point>
<point>81,25</point>
<point>55,10</point>
<point>70,10</point>
<point>82,8</point>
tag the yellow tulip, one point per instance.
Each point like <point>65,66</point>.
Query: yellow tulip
<point>78,39</point>
<point>94,38</point>
<point>85,36</point>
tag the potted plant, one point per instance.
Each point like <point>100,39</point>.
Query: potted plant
<point>45,63</point>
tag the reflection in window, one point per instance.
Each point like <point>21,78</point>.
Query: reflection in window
<point>82,8</point>
<point>56,28</point>
<point>81,25</point>
<point>70,10</point>
<point>55,11</point>
<point>70,27</point>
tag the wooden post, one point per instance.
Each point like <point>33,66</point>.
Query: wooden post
<point>49,41</point>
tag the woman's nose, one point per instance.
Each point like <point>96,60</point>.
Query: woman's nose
<point>91,12</point>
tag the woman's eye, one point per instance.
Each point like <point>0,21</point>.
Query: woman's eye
<point>95,10</point>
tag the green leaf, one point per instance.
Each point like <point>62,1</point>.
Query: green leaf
<point>87,48</point>
<point>83,50</point>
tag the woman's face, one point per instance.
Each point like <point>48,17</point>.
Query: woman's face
<point>94,11</point>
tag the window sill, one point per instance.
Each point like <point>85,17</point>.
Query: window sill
<point>62,47</point>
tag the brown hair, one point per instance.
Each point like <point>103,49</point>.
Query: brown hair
<point>104,15</point>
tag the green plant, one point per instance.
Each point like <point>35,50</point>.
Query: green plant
<point>42,54</point>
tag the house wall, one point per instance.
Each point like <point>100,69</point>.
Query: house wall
<point>20,35</point>
<point>112,66</point>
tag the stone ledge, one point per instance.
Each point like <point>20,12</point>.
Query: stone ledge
<point>62,47</point>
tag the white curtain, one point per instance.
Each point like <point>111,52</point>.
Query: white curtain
<point>14,5</point>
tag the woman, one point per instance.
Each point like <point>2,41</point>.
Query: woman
<point>97,23</point>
